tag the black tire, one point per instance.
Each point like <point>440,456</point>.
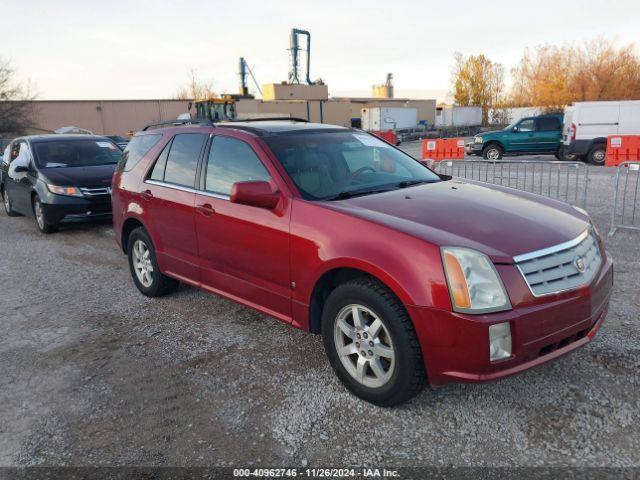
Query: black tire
<point>562,155</point>
<point>597,154</point>
<point>408,374</point>
<point>159,284</point>
<point>8,208</point>
<point>43,222</point>
<point>492,151</point>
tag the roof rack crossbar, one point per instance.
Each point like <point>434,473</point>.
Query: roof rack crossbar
<point>269,119</point>
<point>177,123</point>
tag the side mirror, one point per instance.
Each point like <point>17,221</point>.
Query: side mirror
<point>257,194</point>
<point>514,129</point>
<point>21,169</point>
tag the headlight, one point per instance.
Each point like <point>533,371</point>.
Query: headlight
<point>474,284</point>
<point>477,139</point>
<point>68,191</point>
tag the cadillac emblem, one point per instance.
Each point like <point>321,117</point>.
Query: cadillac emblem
<point>579,264</point>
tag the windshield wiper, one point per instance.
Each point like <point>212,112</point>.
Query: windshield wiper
<point>355,193</point>
<point>411,183</point>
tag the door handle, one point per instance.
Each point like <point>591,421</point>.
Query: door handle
<point>147,195</point>
<point>205,209</point>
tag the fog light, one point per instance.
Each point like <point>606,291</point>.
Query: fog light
<point>499,341</point>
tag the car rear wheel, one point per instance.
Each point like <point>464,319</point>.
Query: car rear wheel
<point>8,207</point>
<point>144,266</point>
<point>597,154</point>
<point>42,220</point>
<point>371,343</point>
<point>562,154</point>
<point>492,152</point>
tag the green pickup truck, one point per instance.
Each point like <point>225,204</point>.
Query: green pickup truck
<point>541,135</point>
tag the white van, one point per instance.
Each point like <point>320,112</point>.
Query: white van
<point>587,125</point>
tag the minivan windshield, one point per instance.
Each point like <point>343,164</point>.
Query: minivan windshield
<point>76,153</point>
<point>335,165</point>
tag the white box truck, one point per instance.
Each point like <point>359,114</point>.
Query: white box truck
<point>384,118</point>
<point>458,116</point>
<point>588,124</point>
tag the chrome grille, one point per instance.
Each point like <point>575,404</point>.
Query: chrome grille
<point>562,267</point>
<point>96,191</point>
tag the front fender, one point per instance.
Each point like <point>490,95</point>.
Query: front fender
<point>323,239</point>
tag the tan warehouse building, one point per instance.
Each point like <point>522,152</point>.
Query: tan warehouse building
<point>119,117</point>
<point>103,117</point>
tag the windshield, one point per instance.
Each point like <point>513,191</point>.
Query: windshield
<point>76,153</point>
<point>331,165</point>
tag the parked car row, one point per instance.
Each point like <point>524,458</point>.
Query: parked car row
<point>581,133</point>
<point>404,273</point>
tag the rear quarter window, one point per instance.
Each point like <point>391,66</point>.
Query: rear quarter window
<point>549,124</point>
<point>137,148</point>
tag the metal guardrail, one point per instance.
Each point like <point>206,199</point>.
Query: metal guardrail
<point>566,181</point>
<point>626,211</point>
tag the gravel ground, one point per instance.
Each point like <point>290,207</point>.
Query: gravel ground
<point>93,373</point>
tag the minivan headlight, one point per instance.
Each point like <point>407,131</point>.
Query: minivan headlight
<point>68,191</point>
<point>477,139</point>
<point>474,284</point>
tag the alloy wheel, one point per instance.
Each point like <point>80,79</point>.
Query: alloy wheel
<point>493,154</point>
<point>7,202</point>
<point>39,214</point>
<point>599,156</point>
<point>364,346</point>
<point>142,263</point>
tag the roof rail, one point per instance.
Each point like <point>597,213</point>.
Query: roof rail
<point>269,119</point>
<point>177,123</point>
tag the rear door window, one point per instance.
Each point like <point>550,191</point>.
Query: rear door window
<point>230,161</point>
<point>181,161</point>
<point>551,124</point>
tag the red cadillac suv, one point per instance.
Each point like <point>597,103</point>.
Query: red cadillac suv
<point>409,276</point>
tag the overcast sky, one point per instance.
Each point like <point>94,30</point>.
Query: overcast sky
<point>144,49</point>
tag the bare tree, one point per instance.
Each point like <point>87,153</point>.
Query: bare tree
<point>195,89</point>
<point>15,103</point>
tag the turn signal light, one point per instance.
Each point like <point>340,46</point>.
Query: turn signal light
<point>457,282</point>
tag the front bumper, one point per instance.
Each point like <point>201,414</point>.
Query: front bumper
<point>472,148</point>
<point>74,209</point>
<point>455,346</point>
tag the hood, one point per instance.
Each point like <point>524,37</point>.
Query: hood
<point>498,221</point>
<point>491,133</point>
<point>92,176</point>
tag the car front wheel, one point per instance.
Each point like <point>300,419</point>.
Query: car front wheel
<point>492,152</point>
<point>144,266</point>
<point>45,225</point>
<point>371,343</point>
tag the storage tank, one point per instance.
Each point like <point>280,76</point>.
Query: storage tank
<point>384,118</point>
